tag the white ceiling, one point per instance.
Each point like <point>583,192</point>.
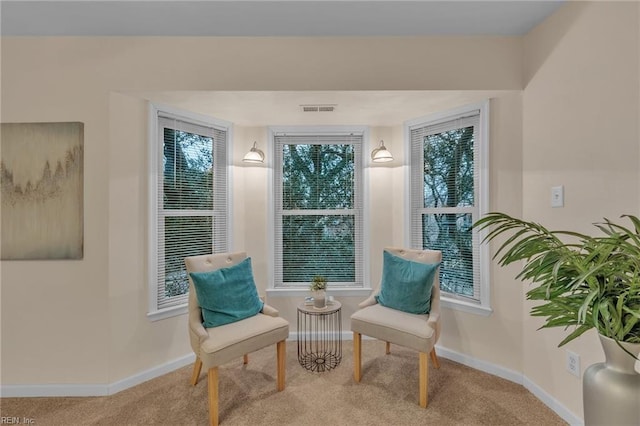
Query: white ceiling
<point>285,18</point>
<point>271,18</point>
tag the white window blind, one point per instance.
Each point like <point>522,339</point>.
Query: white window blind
<point>318,196</point>
<point>445,198</point>
<point>190,203</point>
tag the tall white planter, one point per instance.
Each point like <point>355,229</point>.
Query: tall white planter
<point>611,389</point>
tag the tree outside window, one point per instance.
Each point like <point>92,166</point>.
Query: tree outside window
<point>187,185</point>
<point>188,203</point>
<point>318,213</point>
<point>447,184</point>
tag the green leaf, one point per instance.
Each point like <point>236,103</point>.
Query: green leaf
<point>576,333</point>
<point>584,281</point>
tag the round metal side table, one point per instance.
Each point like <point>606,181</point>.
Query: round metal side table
<point>320,336</point>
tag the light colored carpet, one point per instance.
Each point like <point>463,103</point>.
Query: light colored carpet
<point>387,395</point>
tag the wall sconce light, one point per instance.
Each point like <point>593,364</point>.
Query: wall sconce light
<point>381,154</point>
<point>254,155</point>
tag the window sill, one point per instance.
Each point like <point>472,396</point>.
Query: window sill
<point>167,312</point>
<point>464,306</point>
<point>301,292</point>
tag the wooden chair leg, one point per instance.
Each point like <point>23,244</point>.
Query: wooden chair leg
<point>213,396</point>
<point>245,360</point>
<point>357,356</point>
<point>281,350</point>
<point>197,366</point>
<point>434,358</point>
<point>388,349</point>
<point>424,378</point>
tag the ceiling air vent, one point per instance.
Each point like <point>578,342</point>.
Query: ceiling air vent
<point>318,108</point>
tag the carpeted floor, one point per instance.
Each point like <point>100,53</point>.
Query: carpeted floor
<point>387,395</point>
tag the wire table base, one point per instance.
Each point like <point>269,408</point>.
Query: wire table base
<point>320,337</point>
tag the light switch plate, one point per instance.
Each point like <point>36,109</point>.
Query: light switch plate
<point>557,196</point>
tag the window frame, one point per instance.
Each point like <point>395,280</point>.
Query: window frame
<point>274,290</point>
<point>155,169</point>
<point>481,207</point>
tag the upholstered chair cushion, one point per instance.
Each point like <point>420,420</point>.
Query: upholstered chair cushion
<point>227,295</point>
<point>406,285</point>
<point>391,325</point>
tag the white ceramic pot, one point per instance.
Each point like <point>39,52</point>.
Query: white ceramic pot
<point>611,389</point>
<point>319,299</point>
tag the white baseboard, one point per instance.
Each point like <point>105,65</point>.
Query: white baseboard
<point>476,364</point>
<point>552,403</point>
<point>53,390</point>
<point>346,335</point>
<point>112,388</point>
<point>151,373</point>
<point>513,376</point>
<point>28,391</point>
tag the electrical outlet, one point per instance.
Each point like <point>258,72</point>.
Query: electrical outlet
<point>573,363</point>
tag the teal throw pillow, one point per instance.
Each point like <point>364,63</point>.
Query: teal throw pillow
<point>406,285</point>
<point>227,295</point>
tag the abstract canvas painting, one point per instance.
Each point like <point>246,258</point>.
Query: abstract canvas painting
<point>41,172</point>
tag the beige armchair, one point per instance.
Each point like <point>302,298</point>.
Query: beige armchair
<point>414,331</point>
<point>218,345</point>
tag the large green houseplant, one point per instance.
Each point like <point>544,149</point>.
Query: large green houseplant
<point>583,281</point>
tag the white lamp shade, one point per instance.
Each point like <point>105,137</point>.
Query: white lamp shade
<point>254,155</point>
<point>381,154</point>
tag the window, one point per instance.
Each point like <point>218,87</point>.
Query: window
<point>318,197</point>
<point>189,206</point>
<point>448,193</point>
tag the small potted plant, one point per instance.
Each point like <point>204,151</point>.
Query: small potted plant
<point>318,288</point>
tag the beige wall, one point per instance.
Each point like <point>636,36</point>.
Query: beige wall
<point>93,310</point>
<point>580,130</point>
<point>135,344</point>
<point>59,304</point>
<point>575,104</point>
<point>497,338</point>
